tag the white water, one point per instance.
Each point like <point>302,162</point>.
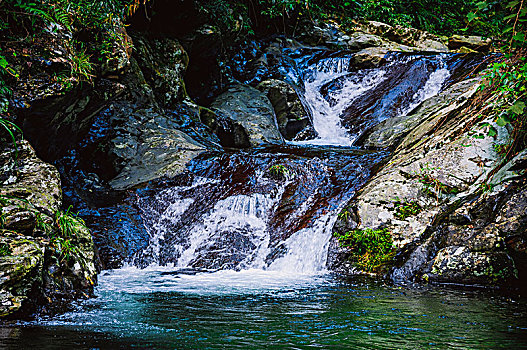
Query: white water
<point>432,87</point>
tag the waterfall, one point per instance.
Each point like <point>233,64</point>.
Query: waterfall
<point>249,220</point>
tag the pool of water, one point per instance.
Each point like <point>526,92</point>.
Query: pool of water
<point>162,309</point>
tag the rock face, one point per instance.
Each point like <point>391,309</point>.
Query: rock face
<point>253,111</point>
<point>457,232</point>
<point>35,266</point>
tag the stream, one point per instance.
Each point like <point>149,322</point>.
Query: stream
<point>233,256</point>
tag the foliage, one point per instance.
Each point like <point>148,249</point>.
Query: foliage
<point>100,22</point>
<point>5,250</point>
<point>345,214</point>
<point>371,250</point>
<point>405,209</point>
<point>279,171</point>
<point>65,247</point>
<point>505,86</point>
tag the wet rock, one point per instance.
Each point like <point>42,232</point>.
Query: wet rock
<point>437,165</point>
<point>476,43</point>
<point>291,116</point>
<point>460,265</point>
<point>230,133</point>
<point>390,131</point>
<point>326,34</point>
<point>251,109</point>
<point>21,263</point>
<point>372,57</point>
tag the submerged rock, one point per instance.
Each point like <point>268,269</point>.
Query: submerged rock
<point>251,109</point>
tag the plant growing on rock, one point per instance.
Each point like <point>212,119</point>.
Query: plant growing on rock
<point>5,250</point>
<point>62,239</point>
<point>432,185</point>
<point>405,209</point>
<point>279,171</point>
<point>371,250</point>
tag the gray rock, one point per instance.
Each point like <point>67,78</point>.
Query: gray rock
<point>387,133</point>
<point>291,116</point>
<point>476,43</point>
<point>359,41</point>
<point>20,271</point>
<point>251,109</point>
<point>411,37</point>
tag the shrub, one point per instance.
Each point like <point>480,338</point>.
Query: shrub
<point>371,250</point>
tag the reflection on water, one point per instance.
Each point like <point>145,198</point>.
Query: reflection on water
<point>160,308</point>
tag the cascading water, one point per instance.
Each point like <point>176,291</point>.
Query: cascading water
<point>236,215</point>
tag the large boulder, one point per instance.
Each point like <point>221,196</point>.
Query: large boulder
<point>251,109</point>
<point>39,261</point>
<point>291,116</point>
<point>390,131</point>
<point>477,43</point>
<point>407,36</point>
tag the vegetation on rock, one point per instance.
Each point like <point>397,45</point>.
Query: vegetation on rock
<point>370,250</point>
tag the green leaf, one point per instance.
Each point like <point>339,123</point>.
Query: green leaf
<point>503,120</point>
<point>492,131</point>
<point>512,4</point>
<point>471,16</point>
<point>482,5</point>
<point>517,108</point>
<point>3,62</point>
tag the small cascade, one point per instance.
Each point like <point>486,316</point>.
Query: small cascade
<point>235,214</point>
<point>334,89</point>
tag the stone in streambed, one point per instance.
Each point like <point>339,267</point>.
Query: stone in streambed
<point>251,109</point>
<point>291,116</point>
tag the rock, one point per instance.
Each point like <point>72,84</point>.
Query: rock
<point>136,140</point>
<point>359,41</point>
<point>21,262</point>
<point>34,269</point>
<point>120,52</point>
<point>291,116</point>
<point>437,165</point>
<point>409,37</point>
<point>326,34</point>
<point>29,181</point>
<point>372,57</point>
<point>163,63</point>
<point>251,109</point>
<point>159,151</point>
<point>387,133</point>
<point>230,133</point>
<point>460,265</point>
<point>477,43</point>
